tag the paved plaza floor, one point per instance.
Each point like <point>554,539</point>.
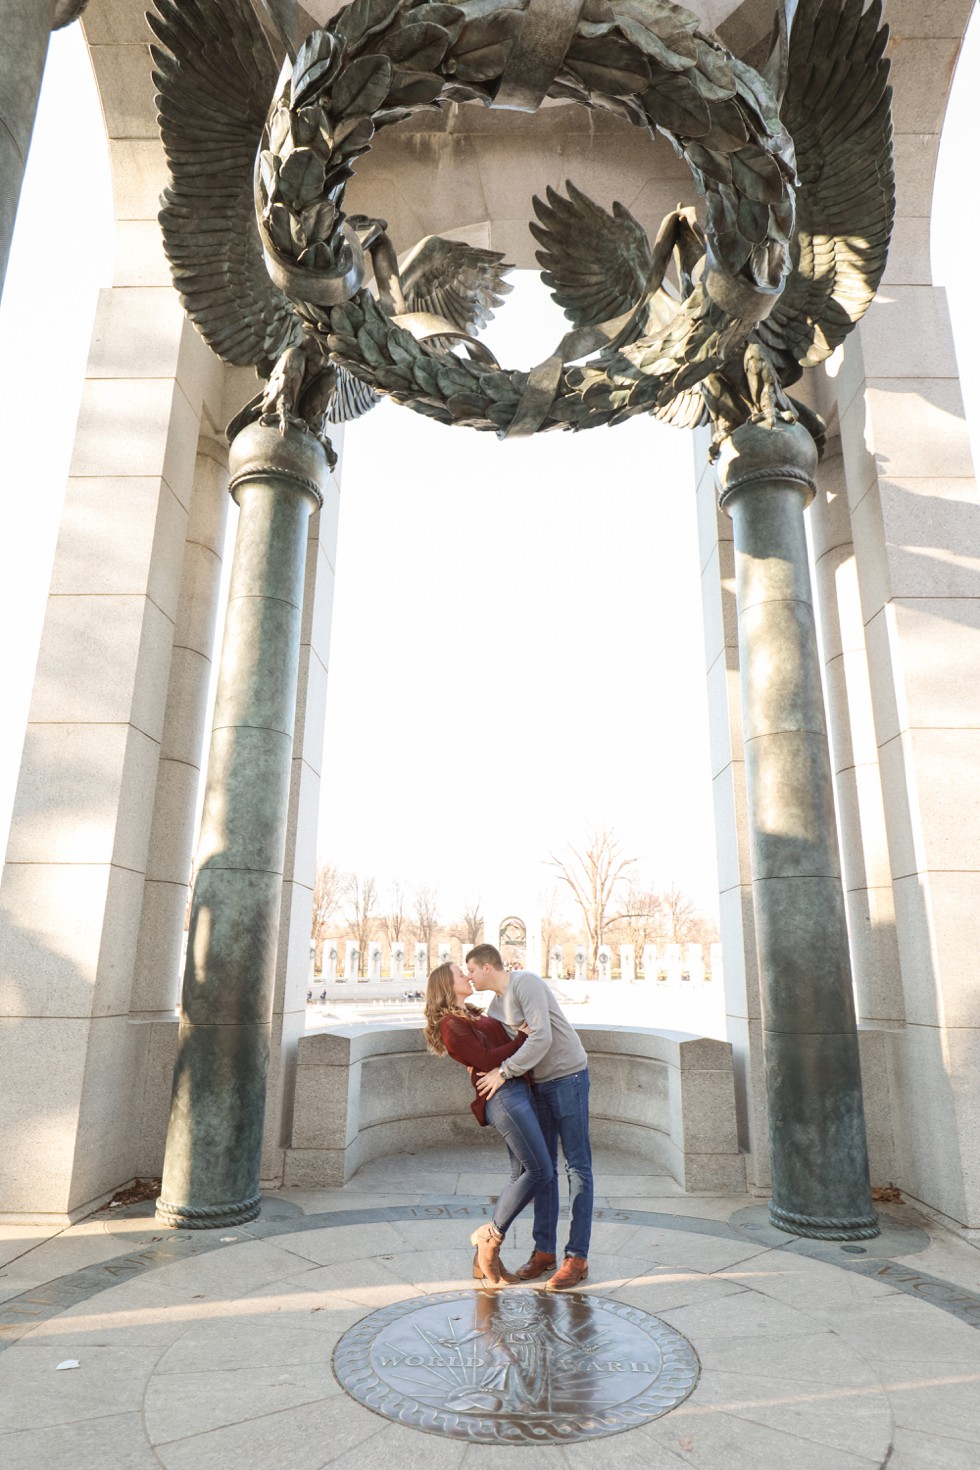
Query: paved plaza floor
<point>213,1350</point>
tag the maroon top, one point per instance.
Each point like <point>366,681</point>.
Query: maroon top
<point>481,1043</point>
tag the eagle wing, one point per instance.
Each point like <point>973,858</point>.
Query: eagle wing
<point>595,264</point>
<point>351,399</point>
<point>216,77</point>
<point>686,410</point>
<point>458,282</point>
<point>837,108</point>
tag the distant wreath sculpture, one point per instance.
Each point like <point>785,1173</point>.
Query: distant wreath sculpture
<point>794,163</point>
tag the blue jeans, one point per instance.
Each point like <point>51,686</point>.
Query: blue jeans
<point>562,1107</point>
<point>512,1113</point>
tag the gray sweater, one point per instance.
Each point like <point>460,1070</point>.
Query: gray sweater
<point>552,1048</point>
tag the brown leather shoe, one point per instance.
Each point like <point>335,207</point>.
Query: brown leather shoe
<point>572,1270</point>
<point>539,1264</point>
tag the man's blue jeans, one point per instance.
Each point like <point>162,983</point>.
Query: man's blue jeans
<point>512,1113</point>
<point>562,1107</point>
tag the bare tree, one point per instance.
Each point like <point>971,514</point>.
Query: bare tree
<point>705,930</point>
<point>552,924</point>
<point>680,916</point>
<point>594,875</point>
<point>468,928</point>
<point>426,916</point>
<point>395,921</point>
<point>680,921</point>
<point>688,924</point>
<point>326,896</point>
<point>361,901</point>
<point>641,916</point>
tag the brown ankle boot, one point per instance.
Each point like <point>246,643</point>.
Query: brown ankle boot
<point>539,1264</point>
<point>487,1265</point>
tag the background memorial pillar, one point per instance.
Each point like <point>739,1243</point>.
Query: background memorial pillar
<point>214,1141</point>
<point>820,1179</point>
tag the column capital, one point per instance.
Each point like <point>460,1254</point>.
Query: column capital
<point>261,452</point>
<point>756,455</point>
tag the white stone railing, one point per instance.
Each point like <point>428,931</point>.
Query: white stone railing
<point>363,1092</point>
<point>673,963</point>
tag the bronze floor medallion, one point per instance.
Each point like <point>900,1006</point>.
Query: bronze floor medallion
<point>516,1366</point>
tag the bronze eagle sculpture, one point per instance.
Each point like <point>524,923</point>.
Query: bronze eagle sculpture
<point>215,73</point>
<point>830,82</point>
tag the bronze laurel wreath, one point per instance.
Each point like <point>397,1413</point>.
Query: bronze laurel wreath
<point>644,60</point>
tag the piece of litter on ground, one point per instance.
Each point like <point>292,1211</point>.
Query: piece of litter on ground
<point>687,1443</point>
<point>227,1239</point>
<point>115,1204</point>
<point>68,1363</point>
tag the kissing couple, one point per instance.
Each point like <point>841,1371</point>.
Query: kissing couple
<point>530,1078</point>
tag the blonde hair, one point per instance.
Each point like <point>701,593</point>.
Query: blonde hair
<point>440,1000</point>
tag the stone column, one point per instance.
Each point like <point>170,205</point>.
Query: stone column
<point>914,512</point>
<point>214,1141</point>
<point>864,844</point>
<point>743,1019</point>
<point>299,870</point>
<point>820,1179</point>
<point>156,972</point>
<point>73,883</point>
<point>170,847</point>
<point>26,27</point>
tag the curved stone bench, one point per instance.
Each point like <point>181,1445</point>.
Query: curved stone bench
<point>365,1091</point>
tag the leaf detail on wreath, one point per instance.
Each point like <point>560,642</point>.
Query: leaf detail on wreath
<point>362,19</point>
<point>607,65</point>
<point>315,65</point>
<point>417,47</point>
<point>674,104</point>
<point>484,45</point>
<point>675,52</point>
<point>361,87</point>
<point>301,178</point>
<point>415,88</point>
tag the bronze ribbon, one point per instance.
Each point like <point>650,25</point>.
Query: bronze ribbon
<point>543,380</point>
<point>424,324</point>
<point>322,288</point>
<point>544,37</point>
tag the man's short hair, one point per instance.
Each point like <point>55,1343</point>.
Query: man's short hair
<point>485,954</point>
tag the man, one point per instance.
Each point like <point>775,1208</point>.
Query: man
<point>556,1061</point>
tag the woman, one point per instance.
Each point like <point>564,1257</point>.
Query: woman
<point>454,1028</point>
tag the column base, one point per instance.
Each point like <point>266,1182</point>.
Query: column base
<point>208,1217</point>
<point>824,1227</point>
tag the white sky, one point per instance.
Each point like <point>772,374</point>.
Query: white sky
<point>517,644</point>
